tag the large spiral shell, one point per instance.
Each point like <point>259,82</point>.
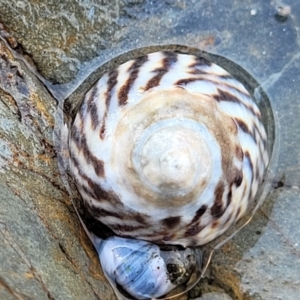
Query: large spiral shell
<point>168,148</point>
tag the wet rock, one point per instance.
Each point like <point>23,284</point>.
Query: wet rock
<point>44,252</point>
<point>214,296</point>
<point>63,37</point>
<point>60,36</point>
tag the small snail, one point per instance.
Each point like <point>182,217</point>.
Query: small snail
<point>168,148</point>
<point>143,269</point>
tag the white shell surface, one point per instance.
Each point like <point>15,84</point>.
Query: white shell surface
<point>140,267</point>
<point>168,148</point>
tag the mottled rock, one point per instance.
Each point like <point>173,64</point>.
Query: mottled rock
<point>214,296</point>
<point>44,252</point>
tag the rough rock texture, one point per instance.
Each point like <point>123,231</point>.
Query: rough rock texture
<point>44,252</point>
<point>214,296</point>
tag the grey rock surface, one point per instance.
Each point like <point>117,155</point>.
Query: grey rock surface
<point>46,254</point>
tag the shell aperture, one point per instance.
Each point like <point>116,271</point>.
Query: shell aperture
<point>168,148</point>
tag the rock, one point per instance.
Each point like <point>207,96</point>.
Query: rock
<point>45,253</point>
<point>214,296</point>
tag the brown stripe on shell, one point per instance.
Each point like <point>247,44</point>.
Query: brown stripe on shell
<point>239,153</point>
<point>215,224</point>
<point>199,213</point>
<point>76,135</point>
<point>134,72</point>
<point>256,136</point>
<point>226,96</point>
<point>215,81</point>
<point>88,190</point>
<point>95,226</point>
<point>247,155</point>
<point>97,164</point>
<point>92,107</point>
<point>100,195</point>
<point>194,229</point>
<point>167,238</point>
<point>229,198</point>
<point>227,76</point>
<point>111,83</point>
<point>258,176</point>
<point>238,173</point>
<point>81,144</point>
<point>259,144</point>
<point>196,71</point>
<point>142,219</point>
<point>238,177</point>
<point>217,209</point>
<point>243,126</point>
<point>82,114</point>
<point>185,81</point>
<point>199,62</point>
<point>123,228</point>
<point>98,212</point>
<point>201,77</point>
<point>255,113</point>
<point>96,192</point>
<point>102,129</point>
<point>259,136</point>
<point>170,58</point>
<point>171,222</point>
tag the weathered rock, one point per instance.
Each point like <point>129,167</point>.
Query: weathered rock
<point>44,251</point>
<point>214,296</point>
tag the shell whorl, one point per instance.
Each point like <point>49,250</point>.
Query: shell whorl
<point>143,269</point>
<point>168,148</point>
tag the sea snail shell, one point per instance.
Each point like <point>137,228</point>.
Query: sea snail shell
<point>168,148</point>
<point>143,269</point>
